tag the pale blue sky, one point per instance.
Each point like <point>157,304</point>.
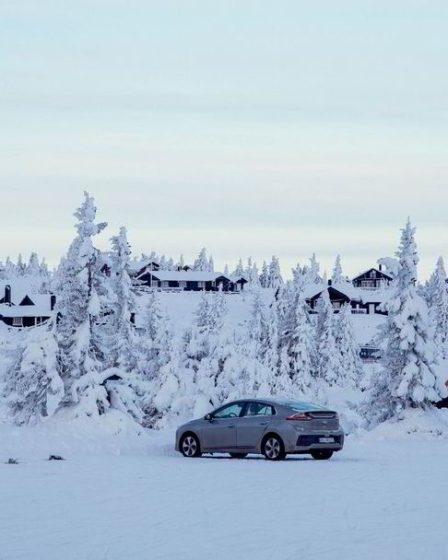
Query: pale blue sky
<point>251,127</point>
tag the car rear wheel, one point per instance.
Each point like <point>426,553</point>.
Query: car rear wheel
<point>321,454</point>
<point>189,446</point>
<point>273,448</point>
<point>238,455</point>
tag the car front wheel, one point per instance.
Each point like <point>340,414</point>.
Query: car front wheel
<point>189,446</point>
<point>321,454</point>
<point>273,448</point>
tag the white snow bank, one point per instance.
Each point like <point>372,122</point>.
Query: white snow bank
<point>111,434</point>
<point>414,423</point>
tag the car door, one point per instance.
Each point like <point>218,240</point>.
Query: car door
<point>251,427</point>
<point>220,432</point>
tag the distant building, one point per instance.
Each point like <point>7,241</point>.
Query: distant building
<point>370,353</point>
<point>189,281</point>
<point>19,307</point>
<point>372,279</point>
<point>362,301</point>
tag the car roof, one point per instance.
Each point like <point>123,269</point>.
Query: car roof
<point>288,403</point>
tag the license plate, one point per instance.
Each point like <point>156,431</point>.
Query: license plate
<point>326,440</point>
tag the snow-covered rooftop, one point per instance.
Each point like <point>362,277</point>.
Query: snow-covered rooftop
<point>355,294</point>
<point>20,288</point>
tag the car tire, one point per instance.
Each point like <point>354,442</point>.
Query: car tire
<point>189,446</point>
<point>273,448</point>
<point>238,455</point>
<point>321,454</point>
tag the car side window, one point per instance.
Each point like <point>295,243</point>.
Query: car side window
<point>229,411</point>
<point>259,409</point>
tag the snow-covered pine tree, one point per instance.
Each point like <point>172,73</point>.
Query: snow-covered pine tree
<point>407,379</point>
<point>327,357</point>
<point>125,348</point>
<point>33,267</point>
<point>313,271</point>
<point>21,266</point>
<point>264,276</point>
<point>201,263</point>
<point>347,347</point>
<point>78,309</point>
<point>438,306</point>
<point>337,276</point>
<point>34,389</point>
<point>239,270</point>
<point>275,279</point>
<point>200,358</point>
<point>303,357</point>
<point>211,264</point>
<point>257,376</point>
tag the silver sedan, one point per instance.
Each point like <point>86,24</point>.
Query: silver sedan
<point>272,427</point>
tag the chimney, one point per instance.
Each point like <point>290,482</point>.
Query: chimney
<point>52,301</point>
<point>380,267</point>
<point>8,294</point>
<point>329,282</point>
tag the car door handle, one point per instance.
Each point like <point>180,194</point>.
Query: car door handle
<point>231,426</point>
<point>264,423</point>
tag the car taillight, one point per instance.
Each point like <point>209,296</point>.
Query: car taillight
<point>299,416</point>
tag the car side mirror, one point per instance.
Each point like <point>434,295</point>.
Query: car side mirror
<point>208,417</point>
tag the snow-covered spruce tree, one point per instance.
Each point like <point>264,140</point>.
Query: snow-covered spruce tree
<point>257,376</point>
<point>347,347</point>
<point>125,387</point>
<point>407,379</point>
<point>437,297</point>
<point>303,357</point>
<point>34,389</point>
<point>33,267</point>
<point>329,367</point>
<point>239,270</point>
<point>201,263</point>
<point>161,367</point>
<point>337,276</point>
<point>155,325</point>
<point>285,308</point>
<point>264,275</point>
<point>275,279</point>
<point>313,271</point>
<point>125,341</point>
<point>78,309</point>
<point>202,359</point>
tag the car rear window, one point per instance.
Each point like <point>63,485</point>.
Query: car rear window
<point>300,406</point>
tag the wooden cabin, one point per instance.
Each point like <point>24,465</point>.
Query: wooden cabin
<point>372,279</point>
<point>189,281</point>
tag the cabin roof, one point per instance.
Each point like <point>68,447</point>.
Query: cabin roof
<point>25,311</point>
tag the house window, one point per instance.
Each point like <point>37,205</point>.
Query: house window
<point>165,284</point>
<point>372,274</point>
<point>182,284</point>
<point>154,283</point>
<point>336,304</point>
<point>201,285</point>
<point>17,322</point>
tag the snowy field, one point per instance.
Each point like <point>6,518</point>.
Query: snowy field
<point>132,496</point>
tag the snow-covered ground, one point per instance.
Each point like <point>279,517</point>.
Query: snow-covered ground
<point>131,496</point>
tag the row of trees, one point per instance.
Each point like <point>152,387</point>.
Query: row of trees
<point>93,358</point>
